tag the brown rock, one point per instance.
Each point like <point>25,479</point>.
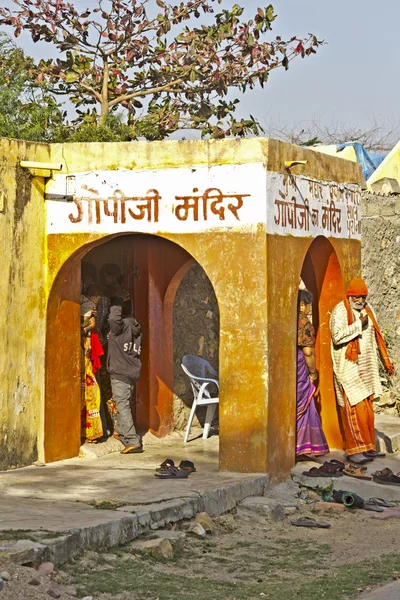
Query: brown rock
<point>159,548</point>
<point>35,581</point>
<point>46,569</point>
<point>197,530</point>
<point>205,521</point>
<point>54,593</point>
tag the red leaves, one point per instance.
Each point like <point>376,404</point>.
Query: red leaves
<point>180,68</point>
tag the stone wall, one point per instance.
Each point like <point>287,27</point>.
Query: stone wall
<point>381,266</point>
<point>196,331</point>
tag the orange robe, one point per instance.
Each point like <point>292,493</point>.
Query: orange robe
<point>358,426</point>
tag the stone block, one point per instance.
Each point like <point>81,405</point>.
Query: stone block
<point>290,510</point>
<point>197,530</point>
<point>25,552</point>
<point>388,209</point>
<point>387,431</point>
<point>328,506</point>
<point>267,508</point>
<point>206,521</point>
<point>176,538</point>
<point>286,493</point>
<point>159,548</point>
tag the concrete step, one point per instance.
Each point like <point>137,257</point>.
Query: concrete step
<point>387,431</point>
<point>365,489</point>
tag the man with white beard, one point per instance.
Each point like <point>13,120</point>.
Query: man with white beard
<point>355,340</point>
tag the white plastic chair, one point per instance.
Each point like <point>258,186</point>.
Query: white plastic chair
<point>196,369</point>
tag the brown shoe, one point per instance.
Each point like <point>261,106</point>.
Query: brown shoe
<point>132,449</point>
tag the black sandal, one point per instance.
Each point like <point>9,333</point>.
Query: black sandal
<point>336,464</point>
<point>326,470</point>
<point>386,477</point>
<point>168,462</point>
<point>172,473</point>
<point>187,465</point>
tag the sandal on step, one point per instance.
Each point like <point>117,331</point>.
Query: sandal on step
<point>168,462</point>
<point>356,472</point>
<point>187,465</point>
<point>309,522</point>
<point>336,464</point>
<point>326,470</point>
<point>386,477</point>
<point>172,473</point>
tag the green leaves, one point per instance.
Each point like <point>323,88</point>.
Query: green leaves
<point>163,72</point>
<point>71,76</point>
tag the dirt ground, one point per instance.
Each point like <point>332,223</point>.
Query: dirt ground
<point>245,557</point>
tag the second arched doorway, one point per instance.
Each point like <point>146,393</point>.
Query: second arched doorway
<point>321,274</point>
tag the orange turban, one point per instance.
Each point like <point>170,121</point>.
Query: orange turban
<point>357,287</point>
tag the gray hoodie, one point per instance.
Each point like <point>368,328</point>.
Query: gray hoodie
<point>124,347</point>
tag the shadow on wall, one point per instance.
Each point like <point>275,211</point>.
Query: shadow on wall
<point>196,331</point>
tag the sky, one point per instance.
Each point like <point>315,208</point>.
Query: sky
<point>353,79</point>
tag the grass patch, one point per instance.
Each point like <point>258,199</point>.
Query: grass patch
<point>291,570</point>
<point>26,534</point>
<point>106,504</point>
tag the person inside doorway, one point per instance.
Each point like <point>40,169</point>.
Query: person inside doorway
<point>124,366</point>
<point>356,337</point>
<point>102,307</point>
<point>112,280</point>
<point>310,438</point>
<point>92,427</point>
<point>88,276</point>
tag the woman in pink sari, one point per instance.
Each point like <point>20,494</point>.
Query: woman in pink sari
<point>310,439</point>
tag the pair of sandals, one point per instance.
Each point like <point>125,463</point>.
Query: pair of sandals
<point>386,477</point>
<point>168,470</point>
<point>332,468</point>
<point>358,472</point>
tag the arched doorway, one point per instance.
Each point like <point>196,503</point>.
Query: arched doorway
<point>321,274</point>
<point>195,331</point>
<point>149,264</point>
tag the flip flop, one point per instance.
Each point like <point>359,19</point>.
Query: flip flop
<point>132,449</point>
<point>356,472</point>
<point>371,505</point>
<point>172,473</point>
<point>326,470</point>
<point>381,502</point>
<point>309,522</point>
<point>187,465</point>
<point>168,462</point>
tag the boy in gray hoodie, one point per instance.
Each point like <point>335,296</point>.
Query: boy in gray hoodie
<point>124,366</point>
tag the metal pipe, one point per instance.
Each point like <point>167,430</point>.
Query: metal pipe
<point>28,164</point>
